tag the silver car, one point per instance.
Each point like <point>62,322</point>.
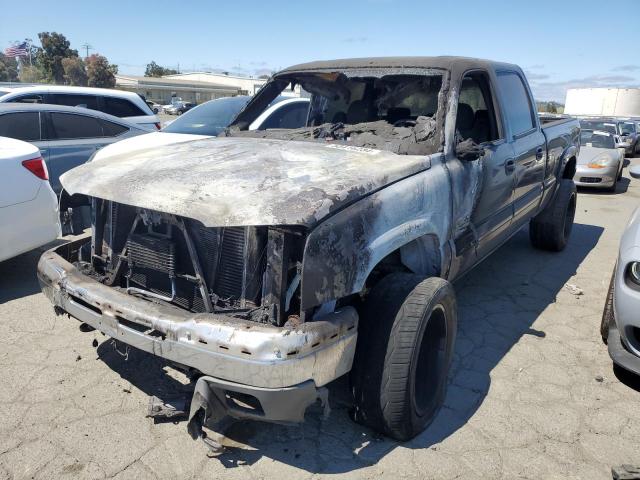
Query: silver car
<point>66,136</point>
<point>600,161</point>
<point>620,327</point>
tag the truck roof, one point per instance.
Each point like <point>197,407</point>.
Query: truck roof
<point>442,62</point>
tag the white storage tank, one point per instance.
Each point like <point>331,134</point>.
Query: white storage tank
<point>616,102</point>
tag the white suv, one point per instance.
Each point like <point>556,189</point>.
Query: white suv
<point>118,103</point>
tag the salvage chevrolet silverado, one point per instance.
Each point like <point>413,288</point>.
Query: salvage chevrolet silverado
<point>269,263</point>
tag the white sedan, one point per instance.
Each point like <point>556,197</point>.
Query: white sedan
<point>28,206</point>
<point>210,119</point>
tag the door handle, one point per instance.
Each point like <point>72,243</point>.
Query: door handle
<point>539,153</point>
<point>509,166</point>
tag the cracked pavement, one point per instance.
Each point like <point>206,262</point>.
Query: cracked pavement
<point>532,393</point>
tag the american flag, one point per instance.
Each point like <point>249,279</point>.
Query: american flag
<point>21,50</point>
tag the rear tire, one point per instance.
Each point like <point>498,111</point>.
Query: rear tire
<point>405,347</point>
<point>607,313</point>
<point>551,228</point>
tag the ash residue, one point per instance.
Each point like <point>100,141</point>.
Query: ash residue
<point>410,138</point>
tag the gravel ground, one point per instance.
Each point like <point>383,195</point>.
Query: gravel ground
<point>532,395</point>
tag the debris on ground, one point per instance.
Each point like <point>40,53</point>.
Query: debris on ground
<point>78,358</point>
<point>626,472</point>
<point>574,290</point>
<point>599,378</point>
<point>94,343</point>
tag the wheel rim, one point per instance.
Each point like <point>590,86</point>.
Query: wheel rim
<point>430,366</point>
<point>569,216</point>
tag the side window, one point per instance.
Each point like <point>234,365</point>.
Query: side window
<point>517,105</point>
<point>68,126</point>
<point>30,98</point>
<point>20,125</point>
<point>119,107</point>
<point>293,115</point>
<point>476,117</point>
<point>111,129</point>
<point>85,101</point>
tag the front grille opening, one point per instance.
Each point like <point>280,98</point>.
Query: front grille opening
<point>590,180</point>
<point>132,325</point>
<point>243,402</point>
<point>86,305</point>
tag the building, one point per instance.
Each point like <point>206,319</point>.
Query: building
<point>610,102</point>
<point>246,85</point>
<point>162,89</point>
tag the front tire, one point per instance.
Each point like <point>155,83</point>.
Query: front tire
<point>551,228</point>
<point>404,352</point>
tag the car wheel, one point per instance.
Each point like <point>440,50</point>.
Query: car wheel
<point>607,314</point>
<point>405,346</point>
<point>551,228</point>
<point>620,171</point>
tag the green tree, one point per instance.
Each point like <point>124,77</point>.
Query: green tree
<point>55,47</point>
<point>155,70</point>
<point>74,71</point>
<point>32,74</point>
<point>8,69</point>
<point>99,72</point>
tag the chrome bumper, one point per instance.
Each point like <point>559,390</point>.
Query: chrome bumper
<point>595,177</point>
<point>219,346</point>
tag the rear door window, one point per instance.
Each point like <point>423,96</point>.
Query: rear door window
<point>516,104</point>
<point>84,101</point>
<point>29,98</point>
<point>69,126</point>
<point>119,107</point>
<point>111,129</point>
<point>293,115</point>
<point>20,125</point>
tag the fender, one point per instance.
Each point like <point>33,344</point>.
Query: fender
<point>570,152</point>
<point>342,251</point>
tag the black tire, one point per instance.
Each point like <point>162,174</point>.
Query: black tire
<point>620,171</point>
<point>607,313</point>
<point>405,346</point>
<point>551,228</point>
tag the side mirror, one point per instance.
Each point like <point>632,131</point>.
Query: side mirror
<point>635,171</point>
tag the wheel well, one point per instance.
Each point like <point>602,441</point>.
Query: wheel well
<point>569,169</point>
<point>421,256</point>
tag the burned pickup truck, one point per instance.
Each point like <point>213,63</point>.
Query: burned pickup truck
<point>269,263</point>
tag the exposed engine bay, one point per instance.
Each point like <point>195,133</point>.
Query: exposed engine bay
<point>172,260</point>
<point>394,112</point>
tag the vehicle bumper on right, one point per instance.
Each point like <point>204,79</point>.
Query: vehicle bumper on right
<point>624,335</point>
<point>596,177</point>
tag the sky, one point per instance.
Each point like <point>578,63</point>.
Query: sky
<point>560,44</point>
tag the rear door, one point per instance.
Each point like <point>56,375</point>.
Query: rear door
<point>72,138</point>
<point>527,140</point>
<point>477,119</point>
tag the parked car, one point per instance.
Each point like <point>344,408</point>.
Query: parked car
<point>185,107</point>
<point>308,253</point>
<point>625,129</point>
<point>210,119</point>
<point>66,136</point>
<point>600,161</point>
<point>155,107</point>
<point>620,326</point>
<point>127,105</point>
<point>28,206</point>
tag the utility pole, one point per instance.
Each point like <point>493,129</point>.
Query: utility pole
<point>87,47</point>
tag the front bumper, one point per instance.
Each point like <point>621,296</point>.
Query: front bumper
<point>240,355</point>
<point>619,354</point>
<point>596,177</point>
